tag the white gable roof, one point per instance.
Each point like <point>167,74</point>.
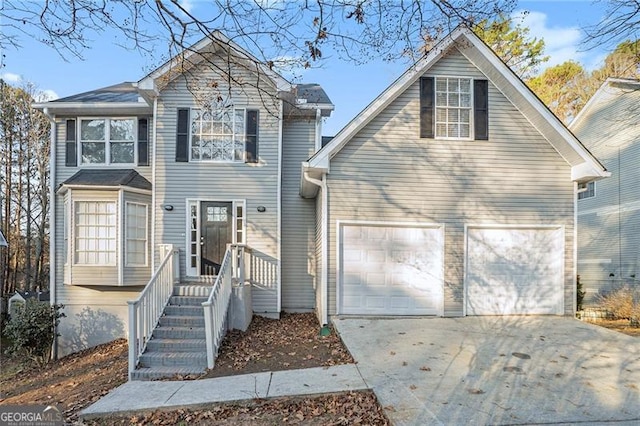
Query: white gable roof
<point>584,165</point>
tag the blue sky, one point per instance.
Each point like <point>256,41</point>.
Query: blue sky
<point>349,86</point>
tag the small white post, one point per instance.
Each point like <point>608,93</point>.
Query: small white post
<point>133,337</point>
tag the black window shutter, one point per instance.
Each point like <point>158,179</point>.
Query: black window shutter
<point>481,109</point>
<point>251,135</point>
<point>426,107</point>
<point>182,136</point>
<point>71,147</point>
<point>143,142</point>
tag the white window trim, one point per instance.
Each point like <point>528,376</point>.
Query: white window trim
<point>126,235</point>
<point>585,190</point>
<point>471,108</point>
<point>107,142</point>
<point>244,150</point>
<point>73,235</point>
<point>195,271</point>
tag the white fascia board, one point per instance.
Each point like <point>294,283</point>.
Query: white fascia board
<point>586,172</point>
<point>107,108</point>
<point>64,188</point>
<point>532,99</point>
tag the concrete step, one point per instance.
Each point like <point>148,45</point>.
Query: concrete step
<point>192,290</point>
<point>174,359</point>
<point>181,321</point>
<point>153,373</point>
<point>177,345</point>
<point>178,333</point>
<point>184,310</point>
<point>187,300</point>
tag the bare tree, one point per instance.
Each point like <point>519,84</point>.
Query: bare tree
<point>24,160</point>
<point>279,32</point>
<point>621,21</point>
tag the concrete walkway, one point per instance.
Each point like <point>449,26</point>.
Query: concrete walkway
<point>139,395</point>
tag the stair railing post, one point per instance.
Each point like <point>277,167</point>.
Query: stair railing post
<point>208,331</point>
<point>133,337</point>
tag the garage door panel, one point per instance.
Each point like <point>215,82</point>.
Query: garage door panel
<point>401,271</point>
<point>515,271</point>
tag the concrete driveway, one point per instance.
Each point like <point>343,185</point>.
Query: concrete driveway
<point>497,370</point>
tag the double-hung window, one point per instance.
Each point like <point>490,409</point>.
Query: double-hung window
<point>136,234</point>
<point>453,107</point>
<point>586,190</point>
<point>107,140</point>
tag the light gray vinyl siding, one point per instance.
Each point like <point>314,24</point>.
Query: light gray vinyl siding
<point>298,218</point>
<point>387,173</point>
<point>96,310</point>
<point>609,223</point>
<point>257,184</point>
<point>528,110</point>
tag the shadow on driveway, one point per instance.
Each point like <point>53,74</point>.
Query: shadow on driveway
<point>496,370</point>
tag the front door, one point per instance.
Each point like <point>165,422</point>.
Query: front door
<point>216,230</point>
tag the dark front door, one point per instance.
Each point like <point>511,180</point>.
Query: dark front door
<point>215,234</point>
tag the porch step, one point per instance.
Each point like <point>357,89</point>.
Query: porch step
<point>192,290</point>
<point>177,345</point>
<point>178,333</point>
<point>174,359</point>
<point>187,300</point>
<point>154,373</point>
<point>183,310</point>
<point>182,321</point>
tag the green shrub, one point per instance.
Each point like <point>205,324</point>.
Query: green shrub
<point>32,329</point>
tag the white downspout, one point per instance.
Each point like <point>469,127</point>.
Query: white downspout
<point>52,221</point>
<point>574,278</point>
<point>279,205</point>
<point>324,279</point>
<point>154,146</point>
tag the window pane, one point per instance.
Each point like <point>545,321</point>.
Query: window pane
<point>465,100</point>
<point>454,100</point>
<point>465,85</point>
<point>122,152</point>
<point>122,130</point>
<point>95,232</point>
<point>464,131</point>
<point>465,115</point>
<point>93,152</point>
<point>441,84</point>
<point>441,130</point>
<point>441,99</point>
<point>92,130</point>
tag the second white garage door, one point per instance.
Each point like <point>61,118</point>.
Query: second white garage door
<point>391,269</point>
<point>515,271</point>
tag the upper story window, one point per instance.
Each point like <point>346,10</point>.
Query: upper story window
<point>586,190</point>
<point>454,108</point>
<point>107,140</point>
<point>218,134</point>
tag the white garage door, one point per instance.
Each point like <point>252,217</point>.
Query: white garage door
<point>391,270</point>
<point>515,271</point>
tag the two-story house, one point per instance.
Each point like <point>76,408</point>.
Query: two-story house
<point>453,193</point>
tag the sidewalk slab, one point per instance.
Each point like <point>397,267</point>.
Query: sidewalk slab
<point>138,395</point>
<point>318,380</point>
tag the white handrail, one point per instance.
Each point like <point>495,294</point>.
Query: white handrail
<point>216,306</point>
<point>146,310</point>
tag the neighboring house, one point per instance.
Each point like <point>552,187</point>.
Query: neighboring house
<point>609,210</point>
<point>18,300</point>
<point>453,193</point>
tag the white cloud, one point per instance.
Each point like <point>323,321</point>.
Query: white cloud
<point>10,77</point>
<point>187,5</point>
<point>561,43</point>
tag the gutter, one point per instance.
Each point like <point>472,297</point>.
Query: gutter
<point>52,221</point>
<point>324,279</point>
